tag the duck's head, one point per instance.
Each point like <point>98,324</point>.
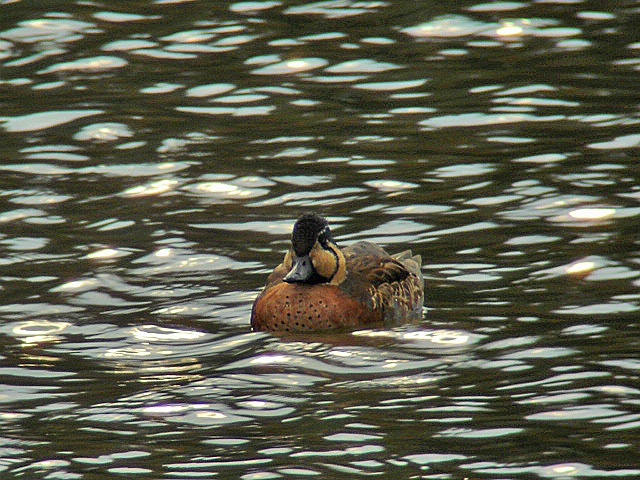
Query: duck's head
<point>314,256</point>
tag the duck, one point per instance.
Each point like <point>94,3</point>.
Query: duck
<point>321,286</point>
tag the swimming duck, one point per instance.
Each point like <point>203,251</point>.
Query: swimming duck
<point>320,286</point>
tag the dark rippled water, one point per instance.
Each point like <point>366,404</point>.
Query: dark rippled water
<point>154,155</point>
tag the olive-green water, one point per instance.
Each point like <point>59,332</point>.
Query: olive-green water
<point>154,156</point>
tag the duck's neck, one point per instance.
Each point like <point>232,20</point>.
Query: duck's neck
<point>341,271</point>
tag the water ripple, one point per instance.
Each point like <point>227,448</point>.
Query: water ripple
<point>43,120</point>
<point>153,165</point>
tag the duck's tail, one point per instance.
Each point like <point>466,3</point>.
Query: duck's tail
<point>408,255</point>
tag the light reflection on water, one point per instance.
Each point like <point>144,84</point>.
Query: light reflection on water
<point>152,169</point>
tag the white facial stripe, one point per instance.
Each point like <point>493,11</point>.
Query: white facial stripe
<point>323,232</point>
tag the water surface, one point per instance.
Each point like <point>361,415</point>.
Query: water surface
<point>154,156</point>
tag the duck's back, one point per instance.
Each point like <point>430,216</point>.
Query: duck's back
<point>390,284</point>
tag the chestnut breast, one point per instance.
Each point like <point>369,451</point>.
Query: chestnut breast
<point>294,307</point>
